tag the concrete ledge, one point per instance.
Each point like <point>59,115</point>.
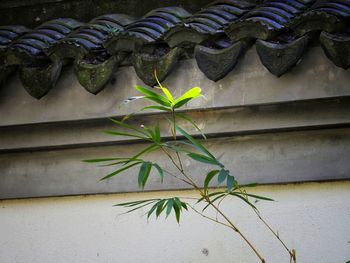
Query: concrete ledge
<point>313,155</point>
<point>241,120</point>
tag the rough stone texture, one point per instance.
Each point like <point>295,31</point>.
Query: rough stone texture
<point>266,158</point>
<point>271,130</point>
<point>248,84</point>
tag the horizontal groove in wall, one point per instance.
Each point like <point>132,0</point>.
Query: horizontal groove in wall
<point>314,155</point>
<point>276,118</point>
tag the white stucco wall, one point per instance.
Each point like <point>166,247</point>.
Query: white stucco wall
<point>314,218</point>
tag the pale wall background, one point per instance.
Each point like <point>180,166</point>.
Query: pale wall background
<point>312,217</point>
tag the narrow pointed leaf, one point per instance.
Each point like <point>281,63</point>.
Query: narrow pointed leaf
<point>157,133</point>
<point>165,90</point>
<point>209,195</point>
<point>102,160</point>
<point>202,158</point>
<point>222,175</point>
<point>152,209</point>
<point>169,206</point>
<point>185,117</point>
<point>230,182</point>
<point>124,134</point>
<point>144,172</point>
<point>148,149</point>
<point>177,210</point>
<point>162,108</point>
<point>208,178</point>
<point>119,170</point>
<point>160,207</point>
<point>187,96</point>
<point>257,196</point>
<point>178,202</point>
<point>160,171</point>
<point>212,201</point>
<point>150,95</point>
<point>127,204</point>
<point>244,199</point>
<point>194,142</point>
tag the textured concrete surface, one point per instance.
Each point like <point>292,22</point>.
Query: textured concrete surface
<point>219,122</point>
<point>266,158</point>
<point>313,218</point>
<point>248,84</point>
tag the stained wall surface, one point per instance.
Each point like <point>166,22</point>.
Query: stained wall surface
<point>312,217</point>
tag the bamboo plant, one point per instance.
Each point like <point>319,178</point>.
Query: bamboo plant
<point>182,144</point>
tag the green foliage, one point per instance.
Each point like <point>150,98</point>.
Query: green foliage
<point>182,144</point>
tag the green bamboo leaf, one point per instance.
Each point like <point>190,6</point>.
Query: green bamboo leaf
<point>184,205</point>
<point>148,149</point>
<point>222,175</point>
<point>150,132</point>
<point>157,136</point>
<point>150,95</point>
<point>178,202</point>
<point>208,178</point>
<point>212,201</point>
<point>177,210</point>
<point>230,182</point>
<point>187,118</point>
<point>120,170</point>
<point>133,203</point>
<point>160,171</point>
<point>169,207</point>
<point>159,101</point>
<point>256,196</point>
<point>144,172</point>
<point>162,108</point>
<point>194,142</point>
<point>244,199</point>
<point>187,96</point>
<point>125,134</point>
<point>181,103</point>
<point>119,162</point>
<point>137,208</point>
<point>160,207</point>
<point>202,158</point>
<point>165,90</point>
<point>102,160</point>
<point>210,195</point>
<point>153,209</point>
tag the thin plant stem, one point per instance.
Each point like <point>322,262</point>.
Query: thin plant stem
<point>233,227</point>
<point>207,217</point>
<point>291,252</point>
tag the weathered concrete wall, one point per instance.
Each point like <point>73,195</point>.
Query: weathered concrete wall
<point>314,218</point>
<point>269,130</point>
<point>248,84</point>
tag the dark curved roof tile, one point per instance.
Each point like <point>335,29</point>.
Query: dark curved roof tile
<point>208,22</point>
<point>8,34</point>
<point>267,20</point>
<point>30,48</point>
<point>89,38</point>
<point>150,29</point>
<point>330,16</point>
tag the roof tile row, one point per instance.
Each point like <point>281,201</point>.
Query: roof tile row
<point>216,36</point>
